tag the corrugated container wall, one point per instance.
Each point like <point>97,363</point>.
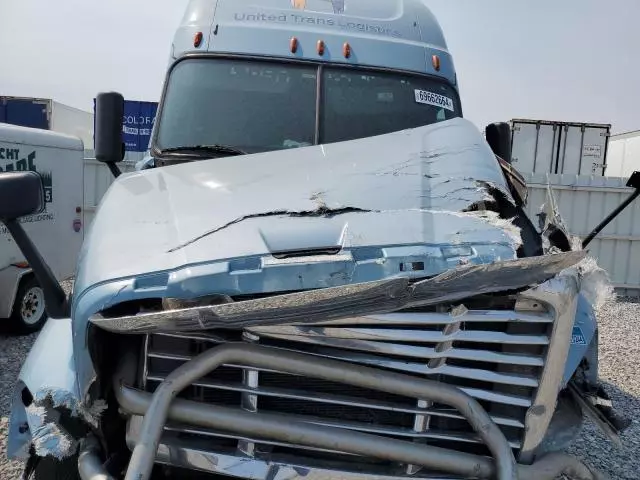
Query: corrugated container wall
<point>624,154</point>
<point>559,147</point>
<point>48,115</point>
<point>583,202</point>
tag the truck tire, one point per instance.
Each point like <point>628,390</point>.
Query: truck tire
<point>29,313</point>
<point>52,469</point>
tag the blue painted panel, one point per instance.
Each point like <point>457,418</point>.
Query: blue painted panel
<point>24,112</point>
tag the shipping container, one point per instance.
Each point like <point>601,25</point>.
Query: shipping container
<point>47,114</point>
<point>624,154</point>
<point>540,146</point>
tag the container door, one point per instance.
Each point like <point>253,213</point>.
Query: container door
<point>594,151</point>
<point>582,149</point>
<point>571,144</point>
<point>27,113</point>
<point>535,147</point>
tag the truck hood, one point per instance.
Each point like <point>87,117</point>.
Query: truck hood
<point>409,198</point>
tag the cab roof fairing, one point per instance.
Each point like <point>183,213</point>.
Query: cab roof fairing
<point>397,34</point>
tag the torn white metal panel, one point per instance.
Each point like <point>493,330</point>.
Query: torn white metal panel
<point>48,437</point>
<point>52,389</point>
<point>61,399</point>
<point>47,434</point>
<point>595,283</point>
<point>39,425</point>
<point>169,211</point>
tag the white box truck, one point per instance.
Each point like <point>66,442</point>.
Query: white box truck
<point>541,146</point>
<point>624,154</point>
<point>57,231</point>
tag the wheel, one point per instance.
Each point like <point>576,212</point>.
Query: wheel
<point>29,314</point>
<point>51,469</point>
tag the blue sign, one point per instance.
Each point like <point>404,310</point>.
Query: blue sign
<point>138,121</point>
<point>137,124</point>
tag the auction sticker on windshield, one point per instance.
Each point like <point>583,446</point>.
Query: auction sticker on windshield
<point>430,98</point>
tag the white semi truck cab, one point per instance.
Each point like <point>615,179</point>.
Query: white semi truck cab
<point>327,273</point>
<point>249,77</point>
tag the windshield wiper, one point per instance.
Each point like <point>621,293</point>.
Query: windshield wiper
<point>199,149</point>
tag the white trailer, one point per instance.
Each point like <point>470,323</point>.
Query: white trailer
<point>624,154</point>
<point>57,232</point>
<point>540,146</point>
<point>47,114</point>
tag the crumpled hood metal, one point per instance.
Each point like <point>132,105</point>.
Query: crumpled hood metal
<point>405,188</point>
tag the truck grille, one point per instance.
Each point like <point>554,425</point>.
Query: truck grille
<point>496,356</point>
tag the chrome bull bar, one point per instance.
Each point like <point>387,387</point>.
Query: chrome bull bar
<point>162,405</point>
<point>157,408</point>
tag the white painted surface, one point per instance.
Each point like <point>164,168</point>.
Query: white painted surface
<point>72,121</point>
<point>584,201</point>
<point>97,180</point>
<point>624,155</point>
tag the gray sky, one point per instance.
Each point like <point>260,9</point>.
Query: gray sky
<point>545,59</point>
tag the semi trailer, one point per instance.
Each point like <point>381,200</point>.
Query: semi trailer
<point>329,273</point>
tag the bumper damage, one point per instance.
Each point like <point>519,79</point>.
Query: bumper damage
<point>162,406</point>
<point>557,285</point>
<point>357,299</point>
<point>554,280</point>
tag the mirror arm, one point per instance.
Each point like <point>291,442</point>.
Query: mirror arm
<point>634,182</point>
<point>56,303</point>
<point>610,218</point>
<point>114,169</point>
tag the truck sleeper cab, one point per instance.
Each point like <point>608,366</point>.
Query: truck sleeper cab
<point>361,305</point>
<point>273,77</point>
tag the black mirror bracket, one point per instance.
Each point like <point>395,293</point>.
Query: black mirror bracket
<point>114,169</point>
<point>56,303</point>
<point>634,182</point>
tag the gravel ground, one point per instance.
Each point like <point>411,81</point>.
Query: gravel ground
<point>619,369</point>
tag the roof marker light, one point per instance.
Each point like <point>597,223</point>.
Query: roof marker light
<point>293,45</point>
<point>197,39</point>
<point>346,50</point>
<point>321,47</point>
<point>436,62</point>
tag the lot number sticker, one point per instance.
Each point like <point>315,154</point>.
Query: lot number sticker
<point>430,98</point>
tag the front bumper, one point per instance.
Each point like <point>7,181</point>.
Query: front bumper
<point>163,406</point>
<point>150,446</point>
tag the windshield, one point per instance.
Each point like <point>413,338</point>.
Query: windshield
<point>263,106</point>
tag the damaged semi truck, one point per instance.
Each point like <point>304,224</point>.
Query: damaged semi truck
<point>328,273</point>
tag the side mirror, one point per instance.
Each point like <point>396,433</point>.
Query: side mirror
<point>21,194</point>
<point>499,139</point>
<point>108,134</point>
